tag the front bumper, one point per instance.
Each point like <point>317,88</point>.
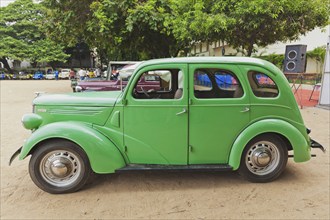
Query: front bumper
<point>315,144</point>
<point>15,155</point>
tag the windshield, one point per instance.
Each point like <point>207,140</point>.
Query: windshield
<point>114,67</point>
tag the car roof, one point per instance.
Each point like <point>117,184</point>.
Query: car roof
<point>217,60</point>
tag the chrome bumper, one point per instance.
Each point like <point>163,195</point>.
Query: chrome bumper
<point>315,144</point>
<point>15,155</point>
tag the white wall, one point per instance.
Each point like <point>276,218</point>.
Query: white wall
<point>316,38</point>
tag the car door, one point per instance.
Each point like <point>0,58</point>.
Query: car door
<point>156,120</point>
<point>219,110</point>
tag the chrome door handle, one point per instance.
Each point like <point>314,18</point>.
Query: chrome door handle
<point>246,109</point>
<point>182,112</point>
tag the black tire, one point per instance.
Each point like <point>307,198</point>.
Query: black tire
<point>264,159</point>
<point>59,167</point>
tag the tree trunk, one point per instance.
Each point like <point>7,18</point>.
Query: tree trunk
<point>249,50</point>
<point>6,65</point>
<point>34,63</point>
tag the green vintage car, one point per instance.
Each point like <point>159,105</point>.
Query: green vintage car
<point>207,113</point>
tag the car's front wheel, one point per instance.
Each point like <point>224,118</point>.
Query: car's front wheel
<point>59,167</point>
<point>264,158</point>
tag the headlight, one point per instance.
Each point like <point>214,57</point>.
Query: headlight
<point>31,121</point>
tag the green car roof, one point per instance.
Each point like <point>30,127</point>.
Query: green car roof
<point>219,60</point>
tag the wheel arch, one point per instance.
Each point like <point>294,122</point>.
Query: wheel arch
<point>103,155</point>
<point>290,135</point>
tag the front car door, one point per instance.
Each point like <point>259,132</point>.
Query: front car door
<point>219,110</point>
<point>156,119</point>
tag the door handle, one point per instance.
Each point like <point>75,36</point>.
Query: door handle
<point>182,112</point>
<point>246,109</point>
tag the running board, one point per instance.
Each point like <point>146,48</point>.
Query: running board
<point>199,167</point>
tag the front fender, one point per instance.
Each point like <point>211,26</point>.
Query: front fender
<point>300,145</point>
<point>104,156</point>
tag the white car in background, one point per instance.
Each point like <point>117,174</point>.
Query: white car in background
<point>49,75</point>
<point>64,74</point>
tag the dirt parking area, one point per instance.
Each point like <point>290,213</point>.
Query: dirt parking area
<point>302,192</point>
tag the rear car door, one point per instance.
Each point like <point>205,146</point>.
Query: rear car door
<point>219,110</point>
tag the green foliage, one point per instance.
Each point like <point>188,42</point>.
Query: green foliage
<point>246,24</point>
<point>276,59</point>
<point>128,29</point>
<point>263,22</point>
<point>144,29</point>
<point>317,54</point>
<point>23,36</point>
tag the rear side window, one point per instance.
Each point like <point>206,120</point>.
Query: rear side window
<point>262,85</point>
<point>216,83</point>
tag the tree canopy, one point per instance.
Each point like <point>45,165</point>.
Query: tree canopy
<point>23,37</point>
<point>143,29</point>
<point>246,24</point>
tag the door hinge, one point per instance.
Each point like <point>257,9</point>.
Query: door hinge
<point>124,101</point>
<point>125,149</point>
<point>190,101</point>
<point>190,148</point>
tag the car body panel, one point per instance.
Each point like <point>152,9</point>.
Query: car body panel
<point>301,147</point>
<point>208,119</point>
<point>103,155</point>
<point>75,107</point>
<point>185,131</point>
<point>156,120</point>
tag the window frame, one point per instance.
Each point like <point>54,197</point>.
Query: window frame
<point>253,73</point>
<point>216,89</point>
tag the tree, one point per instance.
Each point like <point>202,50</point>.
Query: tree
<point>23,37</point>
<point>247,24</point>
<point>129,29</point>
<point>263,22</point>
<point>143,29</point>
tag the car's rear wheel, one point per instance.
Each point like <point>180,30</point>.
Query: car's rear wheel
<point>59,167</point>
<point>264,158</point>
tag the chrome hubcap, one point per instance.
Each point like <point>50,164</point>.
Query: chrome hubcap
<point>60,168</point>
<point>262,158</point>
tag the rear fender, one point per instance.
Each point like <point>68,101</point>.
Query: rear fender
<point>104,156</point>
<point>301,147</point>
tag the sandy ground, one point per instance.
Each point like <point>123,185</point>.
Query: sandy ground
<point>302,192</point>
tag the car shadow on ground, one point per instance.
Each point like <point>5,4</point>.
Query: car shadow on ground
<point>175,180</point>
<point>160,180</point>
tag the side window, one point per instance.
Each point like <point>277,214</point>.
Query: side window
<point>159,84</point>
<point>262,85</point>
<point>216,83</point>
<point>202,81</point>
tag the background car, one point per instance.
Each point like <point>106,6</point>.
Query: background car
<point>23,75</point>
<point>2,75</point>
<point>50,75</point>
<point>38,75</point>
<point>64,74</point>
<point>117,78</point>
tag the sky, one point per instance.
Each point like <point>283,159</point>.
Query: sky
<point>4,3</point>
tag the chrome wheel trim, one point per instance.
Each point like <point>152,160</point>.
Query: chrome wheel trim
<point>262,158</point>
<point>60,168</point>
